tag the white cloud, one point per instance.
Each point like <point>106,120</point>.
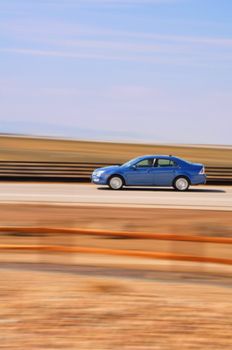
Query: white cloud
<point>74,41</point>
<point>150,56</point>
<point>107,2</point>
<point>54,32</point>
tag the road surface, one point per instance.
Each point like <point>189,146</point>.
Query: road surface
<point>200,197</point>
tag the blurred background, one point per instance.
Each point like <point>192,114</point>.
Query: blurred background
<point>89,83</point>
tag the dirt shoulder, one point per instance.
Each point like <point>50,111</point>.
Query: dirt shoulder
<point>156,220</point>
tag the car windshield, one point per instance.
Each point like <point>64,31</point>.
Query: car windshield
<point>132,161</point>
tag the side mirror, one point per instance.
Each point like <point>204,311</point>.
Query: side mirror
<point>133,167</point>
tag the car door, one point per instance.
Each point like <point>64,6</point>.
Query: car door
<point>165,171</point>
<point>141,174</point>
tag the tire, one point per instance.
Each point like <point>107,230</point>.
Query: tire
<point>181,183</point>
<point>116,183</point>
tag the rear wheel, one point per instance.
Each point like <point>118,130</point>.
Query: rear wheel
<point>115,183</point>
<point>181,184</point>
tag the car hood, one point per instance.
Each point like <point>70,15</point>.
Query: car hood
<point>108,168</point>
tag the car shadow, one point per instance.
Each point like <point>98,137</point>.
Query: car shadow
<point>162,189</point>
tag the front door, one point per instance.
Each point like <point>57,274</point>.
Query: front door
<point>141,173</point>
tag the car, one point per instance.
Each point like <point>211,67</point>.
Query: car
<point>151,170</point>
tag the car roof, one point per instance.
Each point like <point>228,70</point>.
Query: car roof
<point>158,156</point>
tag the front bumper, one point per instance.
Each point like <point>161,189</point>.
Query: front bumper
<point>101,180</point>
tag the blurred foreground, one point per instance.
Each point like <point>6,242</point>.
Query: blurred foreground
<point>80,300</point>
<point>66,310</point>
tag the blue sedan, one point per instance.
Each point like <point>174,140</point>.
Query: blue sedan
<point>151,170</point>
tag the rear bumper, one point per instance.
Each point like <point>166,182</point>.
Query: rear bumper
<point>198,179</point>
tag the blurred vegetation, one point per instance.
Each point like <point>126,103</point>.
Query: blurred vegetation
<point>20,148</point>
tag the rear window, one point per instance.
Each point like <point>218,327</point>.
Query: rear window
<point>165,163</point>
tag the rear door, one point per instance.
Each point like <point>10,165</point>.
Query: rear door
<point>165,171</point>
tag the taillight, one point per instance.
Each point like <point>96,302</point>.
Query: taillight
<point>202,171</point>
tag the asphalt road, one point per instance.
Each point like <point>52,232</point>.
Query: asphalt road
<point>200,197</point>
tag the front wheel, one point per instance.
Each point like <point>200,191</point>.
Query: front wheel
<point>181,184</point>
<point>115,183</point>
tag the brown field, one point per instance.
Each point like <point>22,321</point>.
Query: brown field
<point>39,149</point>
<point>66,310</point>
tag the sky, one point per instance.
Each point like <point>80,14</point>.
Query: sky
<point>157,71</point>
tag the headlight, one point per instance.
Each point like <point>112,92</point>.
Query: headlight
<point>98,173</point>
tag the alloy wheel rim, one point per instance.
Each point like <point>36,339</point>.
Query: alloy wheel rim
<point>116,183</point>
<point>182,184</point>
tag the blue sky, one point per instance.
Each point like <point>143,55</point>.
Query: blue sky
<point>134,70</point>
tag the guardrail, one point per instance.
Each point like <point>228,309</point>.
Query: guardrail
<point>81,171</point>
<point>56,231</point>
<point>149,254</point>
<point>115,252</point>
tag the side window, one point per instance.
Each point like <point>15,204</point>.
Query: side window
<point>172,163</point>
<point>165,163</point>
<point>145,163</point>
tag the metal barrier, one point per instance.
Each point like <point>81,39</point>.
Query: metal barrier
<point>80,249</point>
<point>81,171</point>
